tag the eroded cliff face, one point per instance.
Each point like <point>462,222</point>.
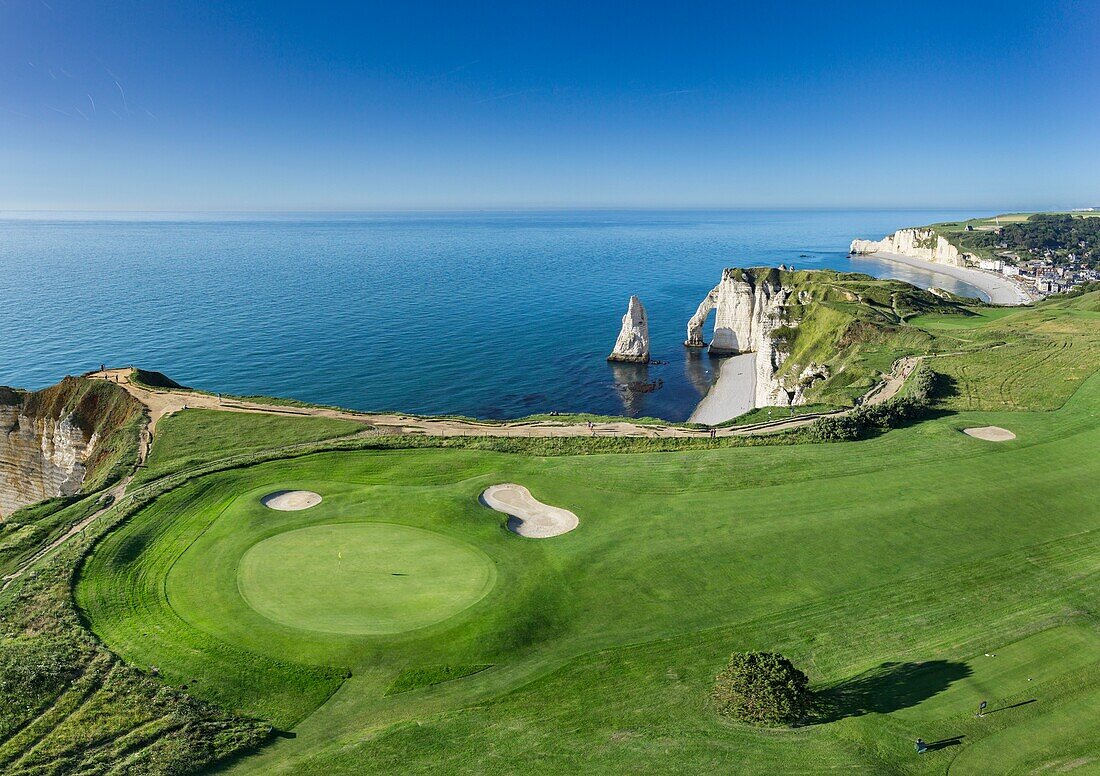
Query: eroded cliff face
<point>40,457</point>
<point>751,310</point>
<point>56,441</point>
<point>919,243</point>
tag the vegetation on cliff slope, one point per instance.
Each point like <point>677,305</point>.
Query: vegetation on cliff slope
<point>67,705</point>
<point>854,325</point>
<point>100,409</point>
<point>1028,235</point>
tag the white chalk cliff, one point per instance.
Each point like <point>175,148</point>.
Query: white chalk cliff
<point>750,310</point>
<point>40,458</point>
<point>918,243</point>
<point>632,344</point>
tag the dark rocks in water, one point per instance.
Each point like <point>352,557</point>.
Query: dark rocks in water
<point>641,386</point>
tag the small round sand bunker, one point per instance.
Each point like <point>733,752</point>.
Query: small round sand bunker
<point>527,516</point>
<point>990,433</point>
<point>291,500</point>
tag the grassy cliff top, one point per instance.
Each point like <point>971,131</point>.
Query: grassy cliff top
<point>853,324</point>
<point>10,396</point>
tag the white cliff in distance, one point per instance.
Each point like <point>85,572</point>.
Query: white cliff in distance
<point>633,342</point>
<point>918,243</point>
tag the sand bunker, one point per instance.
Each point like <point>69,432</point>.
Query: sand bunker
<point>990,433</point>
<point>291,500</point>
<point>527,516</point>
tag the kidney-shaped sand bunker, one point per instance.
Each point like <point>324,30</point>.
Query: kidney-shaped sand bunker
<point>527,516</point>
<point>291,500</point>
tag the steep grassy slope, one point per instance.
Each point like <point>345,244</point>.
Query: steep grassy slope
<point>856,326</point>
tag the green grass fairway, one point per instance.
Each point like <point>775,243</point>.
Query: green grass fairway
<point>362,578</point>
<point>981,317</point>
<point>885,568</point>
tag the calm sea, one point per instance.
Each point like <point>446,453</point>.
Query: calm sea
<point>494,314</point>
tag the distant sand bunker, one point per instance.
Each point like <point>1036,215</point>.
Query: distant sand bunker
<point>990,433</point>
<point>291,500</point>
<point>527,516</point>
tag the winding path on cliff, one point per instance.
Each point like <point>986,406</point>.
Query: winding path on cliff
<point>163,402</point>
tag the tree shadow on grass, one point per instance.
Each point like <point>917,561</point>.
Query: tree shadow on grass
<point>943,387</point>
<point>889,687</point>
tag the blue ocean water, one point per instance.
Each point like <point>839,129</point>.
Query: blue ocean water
<point>494,314</point>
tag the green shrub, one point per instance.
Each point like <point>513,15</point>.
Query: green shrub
<point>834,428</point>
<point>762,688</point>
<point>889,414</point>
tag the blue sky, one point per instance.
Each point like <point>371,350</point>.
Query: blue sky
<point>278,105</point>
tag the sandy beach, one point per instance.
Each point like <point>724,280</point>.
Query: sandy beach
<point>998,288</point>
<point>733,394</point>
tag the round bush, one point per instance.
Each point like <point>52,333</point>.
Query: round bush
<point>762,688</point>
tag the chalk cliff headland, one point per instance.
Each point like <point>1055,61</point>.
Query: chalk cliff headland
<point>755,310</point>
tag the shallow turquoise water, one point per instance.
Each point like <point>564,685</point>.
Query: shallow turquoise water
<point>498,314</point>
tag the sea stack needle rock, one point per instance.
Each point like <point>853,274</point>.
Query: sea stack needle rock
<point>633,343</point>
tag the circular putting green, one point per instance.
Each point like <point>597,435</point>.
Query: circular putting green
<point>362,578</point>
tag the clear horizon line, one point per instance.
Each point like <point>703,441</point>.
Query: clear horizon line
<point>545,208</point>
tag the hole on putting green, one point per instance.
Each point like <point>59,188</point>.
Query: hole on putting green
<point>337,578</point>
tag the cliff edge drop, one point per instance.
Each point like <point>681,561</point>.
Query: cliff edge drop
<point>751,308</point>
